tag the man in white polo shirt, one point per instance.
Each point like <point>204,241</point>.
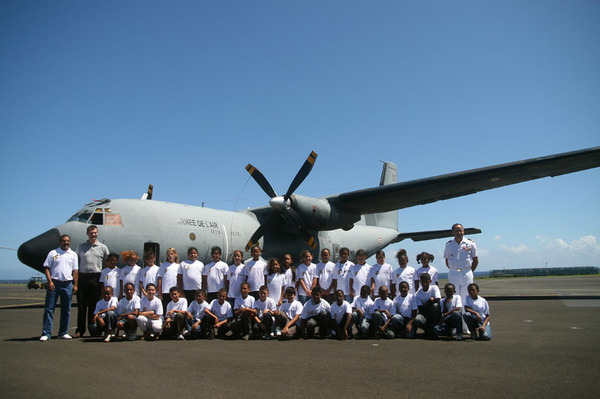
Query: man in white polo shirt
<point>461,260</point>
<point>61,270</point>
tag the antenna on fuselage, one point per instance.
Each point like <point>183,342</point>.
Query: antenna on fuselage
<point>148,195</point>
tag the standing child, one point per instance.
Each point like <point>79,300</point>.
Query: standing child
<point>275,281</point>
<point>109,277</point>
<point>325,273</point>
<point>341,317</point>
<point>359,274</point>
<point>425,259</point>
<point>254,271</point>
<point>264,306</point>
<point>477,314</point>
<point>404,272</point>
<point>127,312</point>
<point>214,276</point>
<point>222,312</point>
<point>289,270</point>
<point>200,319</point>
<point>166,277</point>
<point>380,273</point>
<point>307,277</point>
<point>189,275</point>
<point>362,309</point>
<point>104,318</point>
<point>342,273</point>
<point>129,273</point>
<point>150,317</point>
<point>148,274</point>
<point>427,302</point>
<point>235,276</point>
<point>175,316</point>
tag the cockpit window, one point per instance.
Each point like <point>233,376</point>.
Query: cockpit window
<point>81,216</point>
<point>97,218</point>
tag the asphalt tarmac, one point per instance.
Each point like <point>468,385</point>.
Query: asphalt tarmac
<point>545,347</point>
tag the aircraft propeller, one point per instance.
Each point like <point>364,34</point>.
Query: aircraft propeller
<point>282,205</point>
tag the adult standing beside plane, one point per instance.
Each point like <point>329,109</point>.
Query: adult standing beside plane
<point>461,260</point>
<point>60,269</point>
<point>92,254</point>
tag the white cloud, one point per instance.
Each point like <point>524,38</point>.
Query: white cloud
<point>518,250</point>
<point>588,244</point>
<point>497,238</point>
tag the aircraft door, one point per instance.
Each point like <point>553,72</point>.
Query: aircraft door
<point>154,247</point>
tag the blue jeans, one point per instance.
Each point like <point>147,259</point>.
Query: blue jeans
<point>64,290</point>
<point>398,326</point>
<point>363,325</point>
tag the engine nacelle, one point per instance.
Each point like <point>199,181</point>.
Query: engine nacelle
<point>319,214</point>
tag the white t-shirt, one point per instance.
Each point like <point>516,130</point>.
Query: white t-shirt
<point>338,311</point>
<point>479,305</point>
<point>148,275</point>
<point>404,274</point>
<point>364,304</point>
<point>223,311</point>
<point>455,302</point>
<point>244,303</point>
<point>360,276</point>
<point>269,304</point>
<point>421,296</point>
<point>168,272</point>
<point>181,304</point>
<point>325,274</point>
<point>312,309</point>
<point>128,305</point>
<point>129,274</point>
<point>384,304</point>
<point>382,274</point>
<point>307,274</point>
<point>433,272</point>
<point>275,282</point>
<point>197,309</point>
<point>404,305</point>
<point>292,309</point>
<point>110,278</point>
<point>154,305</point>
<point>191,274</point>
<point>235,276</point>
<point>102,304</point>
<point>289,279</point>
<point>62,264</point>
<point>254,273</point>
<point>342,275</point>
<point>215,276</point>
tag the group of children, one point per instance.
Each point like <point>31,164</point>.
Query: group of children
<point>258,299</point>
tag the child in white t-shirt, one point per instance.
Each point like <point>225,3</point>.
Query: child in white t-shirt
<point>427,303</point>
<point>148,274</point>
<point>263,321</point>
<point>109,277</point>
<point>450,307</point>
<point>200,319</point>
<point>189,275</point>
<point>315,313</point>
<point>129,273</point>
<point>402,323</point>
<point>383,311</point>
<point>341,317</point>
<point>104,318</point>
<point>244,312</point>
<point>127,312</point>
<point>150,318</point>
<point>477,314</point>
<point>362,309</point>
<point>287,318</point>
<point>425,259</point>
<point>222,313</point>
<point>175,316</point>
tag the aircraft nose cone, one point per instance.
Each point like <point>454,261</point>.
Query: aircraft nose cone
<point>33,252</point>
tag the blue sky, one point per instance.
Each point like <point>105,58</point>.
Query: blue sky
<point>99,99</point>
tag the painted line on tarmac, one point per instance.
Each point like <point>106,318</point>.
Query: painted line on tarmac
<point>21,305</point>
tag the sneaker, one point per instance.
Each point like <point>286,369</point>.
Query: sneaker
<point>278,332</point>
<point>44,338</point>
<point>180,337</point>
<point>132,336</point>
<point>107,338</point>
<point>246,337</point>
<point>65,336</point>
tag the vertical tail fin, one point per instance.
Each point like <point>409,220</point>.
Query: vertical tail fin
<point>389,175</point>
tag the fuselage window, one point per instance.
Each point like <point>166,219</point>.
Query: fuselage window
<point>82,216</point>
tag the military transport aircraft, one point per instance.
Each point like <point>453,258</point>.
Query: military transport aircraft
<point>366,219</point>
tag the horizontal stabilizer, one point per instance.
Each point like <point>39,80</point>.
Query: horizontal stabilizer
<point>432,235</point>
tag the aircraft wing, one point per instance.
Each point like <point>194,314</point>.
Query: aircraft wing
<point>432,235</point>
<point>423,191</point>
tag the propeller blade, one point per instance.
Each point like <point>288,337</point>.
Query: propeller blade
<point>301,227</point>
<point>261,230</point>
<point>301,175</point>
<point>261,180</point>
